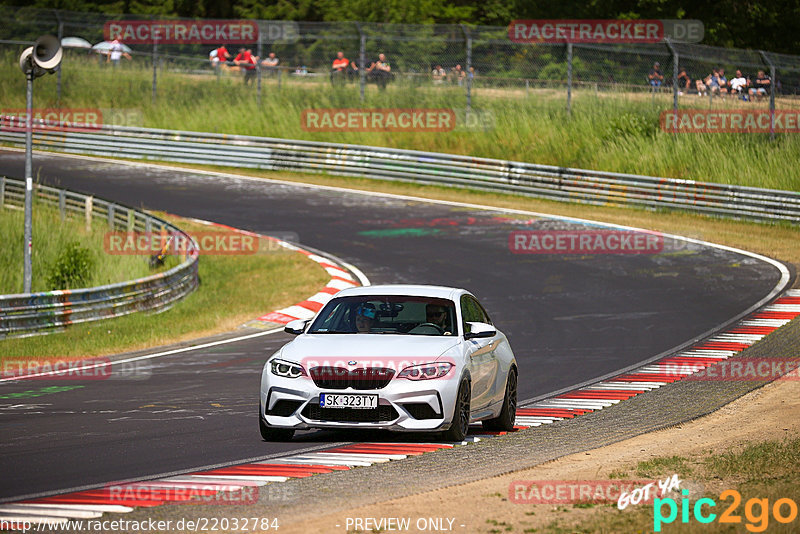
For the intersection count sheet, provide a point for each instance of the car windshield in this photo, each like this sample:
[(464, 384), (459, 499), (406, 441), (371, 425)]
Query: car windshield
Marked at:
[(387, 314)]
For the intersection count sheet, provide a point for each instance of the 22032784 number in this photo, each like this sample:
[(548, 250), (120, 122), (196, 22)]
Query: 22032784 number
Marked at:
[(228, 524), (757, 511)]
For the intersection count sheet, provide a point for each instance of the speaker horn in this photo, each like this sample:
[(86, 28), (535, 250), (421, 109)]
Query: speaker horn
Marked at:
[(43, 57)]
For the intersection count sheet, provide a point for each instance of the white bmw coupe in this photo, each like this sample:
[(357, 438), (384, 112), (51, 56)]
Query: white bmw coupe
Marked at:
[(395, 357)]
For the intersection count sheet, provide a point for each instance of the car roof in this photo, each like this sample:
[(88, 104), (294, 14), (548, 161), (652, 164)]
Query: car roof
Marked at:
[(404, 289)]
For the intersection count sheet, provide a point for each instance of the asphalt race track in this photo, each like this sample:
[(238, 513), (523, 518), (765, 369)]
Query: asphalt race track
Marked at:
[(569, 318)]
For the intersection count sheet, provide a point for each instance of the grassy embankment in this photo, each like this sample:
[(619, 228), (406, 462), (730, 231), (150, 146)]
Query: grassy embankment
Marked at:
[(233, 290), (609, 131)]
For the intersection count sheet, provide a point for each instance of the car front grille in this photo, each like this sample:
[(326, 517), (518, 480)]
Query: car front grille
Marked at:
[(383, 412), (362, 378)]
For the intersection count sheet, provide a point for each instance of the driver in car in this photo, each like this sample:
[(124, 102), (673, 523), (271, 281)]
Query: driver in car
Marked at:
[(365, 318), (437, 314)]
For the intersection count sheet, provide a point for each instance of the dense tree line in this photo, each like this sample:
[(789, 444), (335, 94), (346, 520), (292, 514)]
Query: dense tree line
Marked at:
[(761, 24)]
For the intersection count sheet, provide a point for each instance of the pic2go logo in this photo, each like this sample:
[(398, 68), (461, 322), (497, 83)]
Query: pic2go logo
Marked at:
[(756, 511)]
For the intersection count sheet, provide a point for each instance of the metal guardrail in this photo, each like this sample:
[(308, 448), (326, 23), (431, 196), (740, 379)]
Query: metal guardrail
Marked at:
[(36, 313), (544, 181)]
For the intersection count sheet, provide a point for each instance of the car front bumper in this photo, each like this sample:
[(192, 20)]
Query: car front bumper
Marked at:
[(303, 395)]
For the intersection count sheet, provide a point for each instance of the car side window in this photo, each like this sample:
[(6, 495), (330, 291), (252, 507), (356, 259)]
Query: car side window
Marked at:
[(470, 312), (486, 319)]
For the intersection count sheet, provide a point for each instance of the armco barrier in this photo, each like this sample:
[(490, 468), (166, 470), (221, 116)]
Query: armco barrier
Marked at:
[(35, 313), (558, 183)]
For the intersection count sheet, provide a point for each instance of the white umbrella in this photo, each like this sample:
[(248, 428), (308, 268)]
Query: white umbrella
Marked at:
[(105, 47), (75, 42)]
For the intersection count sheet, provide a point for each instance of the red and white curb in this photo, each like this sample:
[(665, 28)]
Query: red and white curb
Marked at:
[(340, 279), (199, 487)]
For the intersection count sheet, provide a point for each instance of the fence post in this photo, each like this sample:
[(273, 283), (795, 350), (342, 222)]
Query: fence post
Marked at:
[(675, 60), (155, 69), (258, 69), (362, 61), (773, 84), (468, 39), (88, 213), (111, 211), (569, 78), (2, 191), (60, 36)]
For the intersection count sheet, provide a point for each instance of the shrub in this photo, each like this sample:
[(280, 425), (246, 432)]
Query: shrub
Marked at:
[(72, 269)]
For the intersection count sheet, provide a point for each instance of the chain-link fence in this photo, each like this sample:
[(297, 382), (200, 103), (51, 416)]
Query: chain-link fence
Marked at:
[(471, 59)]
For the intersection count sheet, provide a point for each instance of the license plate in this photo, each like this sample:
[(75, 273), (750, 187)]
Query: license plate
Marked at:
[(359, 402)]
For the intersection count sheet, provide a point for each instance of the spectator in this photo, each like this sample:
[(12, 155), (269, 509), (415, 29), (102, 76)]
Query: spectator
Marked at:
[(654, 76), (223, 56), (685, 81), (380, 71), (761, 86), (702, 88), (713, 83), (246, 62), (270, 64), (339, 68), (739, 85), (457, 75), (723, 83), (438, 74), (116, 52)]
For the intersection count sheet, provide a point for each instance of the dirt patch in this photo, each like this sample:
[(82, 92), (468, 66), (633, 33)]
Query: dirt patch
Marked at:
[(483, 506)]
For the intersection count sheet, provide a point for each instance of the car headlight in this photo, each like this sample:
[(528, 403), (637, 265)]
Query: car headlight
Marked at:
[(286, 369), (426, 371)]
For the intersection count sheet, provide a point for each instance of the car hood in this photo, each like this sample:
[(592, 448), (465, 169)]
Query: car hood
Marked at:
[(371, 347)]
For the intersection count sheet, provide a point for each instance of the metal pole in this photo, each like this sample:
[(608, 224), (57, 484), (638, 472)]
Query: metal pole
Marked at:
[(28, 244), (258, 69), (675, 60), (772, 75), (60, 36), (362, 61), (569, 78), (155, 70), (468, 38)]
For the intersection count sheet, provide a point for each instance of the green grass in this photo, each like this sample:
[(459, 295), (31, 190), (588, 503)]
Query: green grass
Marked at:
[(607, 131), (233, 290), (51, 237), (666, 465)]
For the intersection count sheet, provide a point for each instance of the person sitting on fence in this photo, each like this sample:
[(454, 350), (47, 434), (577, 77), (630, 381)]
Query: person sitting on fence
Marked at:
[(223, 57), (761, 85), (739, 85), (654, 76), (723, 83), (457, 75), (380, 71), (246, 62), (270, 64), (684, 81), (339, 68), (438, 74)]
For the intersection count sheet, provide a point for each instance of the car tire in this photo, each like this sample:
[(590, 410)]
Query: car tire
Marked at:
[(460, 426), (270, 433), (508, 414)]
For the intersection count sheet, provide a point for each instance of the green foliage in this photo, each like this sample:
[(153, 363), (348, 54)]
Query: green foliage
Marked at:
[(627, 124), (73, 267)]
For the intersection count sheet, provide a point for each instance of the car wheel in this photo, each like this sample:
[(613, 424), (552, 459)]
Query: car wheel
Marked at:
[(508, 414), (460, 425), (270, 433)]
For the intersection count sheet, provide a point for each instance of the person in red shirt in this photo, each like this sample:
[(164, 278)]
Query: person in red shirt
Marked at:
[(246, 61), (339, 68)]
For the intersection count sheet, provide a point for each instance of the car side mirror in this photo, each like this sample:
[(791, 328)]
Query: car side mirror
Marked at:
[(295, 327), (480, 330)]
